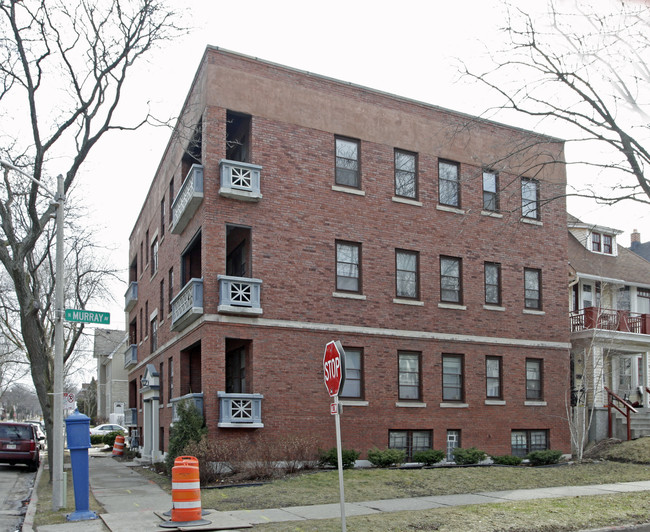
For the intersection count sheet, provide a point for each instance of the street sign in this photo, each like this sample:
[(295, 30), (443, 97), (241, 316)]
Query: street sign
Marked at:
[(87, 316), (69, 397), (334, 368)]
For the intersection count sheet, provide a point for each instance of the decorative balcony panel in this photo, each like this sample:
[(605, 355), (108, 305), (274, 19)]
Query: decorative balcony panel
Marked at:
[(130, 417), (187, 306), (131, 296), (610, 320), (188, 199), (131, 356), (240, 180), (240, 410), (196, 398), (239, 295)]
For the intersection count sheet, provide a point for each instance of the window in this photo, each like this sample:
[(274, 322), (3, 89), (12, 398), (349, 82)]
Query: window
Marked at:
[(409, 376), (406, 274), (452, 377), (170, 287), (353, 385), (492, 283), (453, 441), (141, 325), (529, 198), (532, 288), (171, 200), (523, 442), (410, 441), (162, 300), (170, 378), (534, 379), (161, 389), (493, 377), (347, 163), (146, 318), (490, 191), (162, 218), (448, 184), (141, 255), (450, 280), (154, 256), (146, 247), (607, 244), (348, 266), (154, 334), (406, 184), (595, 242)]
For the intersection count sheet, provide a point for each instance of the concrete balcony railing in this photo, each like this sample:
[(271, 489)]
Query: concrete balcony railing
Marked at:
[(130, 417), (240, 410), (188, 199), (610, 320), (196, 398), (239, 295), (131, 356), (131, 296), (187, 306), (240, 180)]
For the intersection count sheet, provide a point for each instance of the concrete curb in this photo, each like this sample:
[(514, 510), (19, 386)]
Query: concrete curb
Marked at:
[(28, 522)]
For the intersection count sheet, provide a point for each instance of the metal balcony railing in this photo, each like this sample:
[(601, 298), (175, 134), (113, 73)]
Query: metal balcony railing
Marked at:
[(240, 180), (188, 199), (610, 320), (131, 356), (239, 295), (240, 410), (131, 296), (187, 306)]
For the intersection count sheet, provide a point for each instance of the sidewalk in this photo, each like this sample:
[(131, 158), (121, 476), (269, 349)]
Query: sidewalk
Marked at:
[(132, 502)]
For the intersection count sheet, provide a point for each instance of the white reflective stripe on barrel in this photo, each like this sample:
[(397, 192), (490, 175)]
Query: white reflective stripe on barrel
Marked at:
[(186, 485), (186, 505)]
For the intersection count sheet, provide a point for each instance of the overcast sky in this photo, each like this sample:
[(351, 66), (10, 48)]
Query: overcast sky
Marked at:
[(409, 48)]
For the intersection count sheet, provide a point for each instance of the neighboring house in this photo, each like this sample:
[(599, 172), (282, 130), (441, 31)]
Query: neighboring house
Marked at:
[(640, 248), (112, 381), (291, 209), (610, 326)]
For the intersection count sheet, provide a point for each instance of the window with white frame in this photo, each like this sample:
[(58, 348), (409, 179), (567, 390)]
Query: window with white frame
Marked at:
[(453, 442), (452, 378), (409, 375), (493, 377), (353, 385), (348, 266)]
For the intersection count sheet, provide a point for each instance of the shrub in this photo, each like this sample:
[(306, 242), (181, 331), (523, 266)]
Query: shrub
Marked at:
[(189, 427), (539, 458), (109, 439), (348, 456), (298, 452), (468, 456), (428, 457), (387, 457), (96, 439), (507, 459)]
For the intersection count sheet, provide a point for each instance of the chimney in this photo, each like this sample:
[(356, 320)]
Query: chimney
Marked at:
[(635, 239)]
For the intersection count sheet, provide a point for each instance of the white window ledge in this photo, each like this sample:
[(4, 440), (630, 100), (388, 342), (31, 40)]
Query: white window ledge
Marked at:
[(531, 221), (353, 191), (452, 306), (494, 307), (534, 403), (447, 208), (415, 404), (343, 295), (454, 405), (407, 201), (494, 402), (413, 302), (534, 312), (492, 214), (353, 402)]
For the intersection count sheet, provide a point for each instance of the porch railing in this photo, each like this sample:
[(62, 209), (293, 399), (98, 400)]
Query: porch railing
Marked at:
[(612, 399), (239, 295), (240, 410), (610, 320), (240, 180)]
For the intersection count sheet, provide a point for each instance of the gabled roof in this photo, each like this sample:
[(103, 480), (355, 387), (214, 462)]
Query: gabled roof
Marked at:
[(626, 266), (642, 249)]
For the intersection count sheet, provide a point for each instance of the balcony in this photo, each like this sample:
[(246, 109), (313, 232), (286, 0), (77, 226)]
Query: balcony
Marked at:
[(240, 180), (196, 398), (187, 306), (188, 199), (131, 356), (240, 410), (131, 296), (610, 320), (130, 417), (239, 295)]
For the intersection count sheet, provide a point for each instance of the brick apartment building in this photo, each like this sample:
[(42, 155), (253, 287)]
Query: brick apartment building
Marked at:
[(289, 210)]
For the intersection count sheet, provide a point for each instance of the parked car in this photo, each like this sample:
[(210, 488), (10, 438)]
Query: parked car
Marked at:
[(40, 434), (106, 428), (19, 444)]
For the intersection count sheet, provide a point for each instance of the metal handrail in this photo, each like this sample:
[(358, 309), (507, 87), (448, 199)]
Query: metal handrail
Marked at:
[(611, 397)]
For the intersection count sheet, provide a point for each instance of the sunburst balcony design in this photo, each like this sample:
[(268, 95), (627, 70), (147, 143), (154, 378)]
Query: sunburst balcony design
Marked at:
[(239, 180), (240, 410), (239, 295), (188, 199)]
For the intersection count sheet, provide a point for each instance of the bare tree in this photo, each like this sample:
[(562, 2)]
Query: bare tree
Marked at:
[(587, 70), (63, 70)]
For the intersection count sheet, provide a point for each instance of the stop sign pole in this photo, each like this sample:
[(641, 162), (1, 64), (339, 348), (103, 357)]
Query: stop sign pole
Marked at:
[(334, 376)]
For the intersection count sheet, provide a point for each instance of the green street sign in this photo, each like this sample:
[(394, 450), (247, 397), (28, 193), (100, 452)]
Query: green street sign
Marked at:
[(87, 316)]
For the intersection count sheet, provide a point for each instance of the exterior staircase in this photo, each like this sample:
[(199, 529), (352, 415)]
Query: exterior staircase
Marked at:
[(639, 424)]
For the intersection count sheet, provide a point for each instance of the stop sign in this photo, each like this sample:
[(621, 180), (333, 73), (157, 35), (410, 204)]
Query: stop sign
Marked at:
[(334, 368)]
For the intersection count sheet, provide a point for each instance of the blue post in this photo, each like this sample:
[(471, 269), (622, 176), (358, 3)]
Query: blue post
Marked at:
[(78, 429)]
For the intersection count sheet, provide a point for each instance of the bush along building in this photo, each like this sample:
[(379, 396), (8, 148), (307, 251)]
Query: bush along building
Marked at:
[(610, 333), (291, 209)]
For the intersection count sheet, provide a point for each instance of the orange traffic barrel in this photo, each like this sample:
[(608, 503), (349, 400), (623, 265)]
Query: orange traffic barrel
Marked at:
[(118, 446), (185, 460), (186, 494)]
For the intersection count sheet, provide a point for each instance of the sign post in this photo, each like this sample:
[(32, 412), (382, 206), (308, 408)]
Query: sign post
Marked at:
[(334, 376)]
